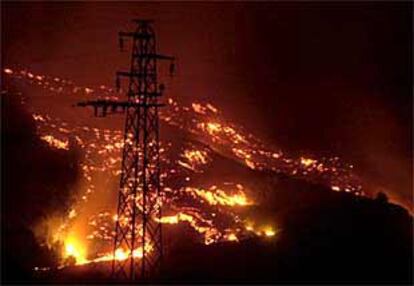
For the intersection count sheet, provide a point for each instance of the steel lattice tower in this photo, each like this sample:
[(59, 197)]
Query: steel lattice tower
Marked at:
[(138, 235)]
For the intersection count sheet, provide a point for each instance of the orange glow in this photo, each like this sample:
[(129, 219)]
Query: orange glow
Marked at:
[(216, 196), (56, 143), (73, 248), (307, 162), (269, 231), (8, 71), (196, 156), (102, 148), (213, 128), (120, 254), (38, 117), (176, 218), (335, 188), (231, 237)]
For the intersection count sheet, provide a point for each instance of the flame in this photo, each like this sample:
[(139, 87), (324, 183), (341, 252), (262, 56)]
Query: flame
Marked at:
[(102, 148), (120, 254), (213, 127), (335, 188), (231, 237), (8, 71), (269, 231), (216, 196), (194, 159), (56, 143), (266, 230), (196, 156), (176, 218), (73, 248), (307, 162)]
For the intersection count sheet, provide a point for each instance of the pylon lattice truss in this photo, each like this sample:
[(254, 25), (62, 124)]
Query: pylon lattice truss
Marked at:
[(138, 247)]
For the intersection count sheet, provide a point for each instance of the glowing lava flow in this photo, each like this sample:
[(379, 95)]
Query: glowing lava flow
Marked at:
[(199, 207)]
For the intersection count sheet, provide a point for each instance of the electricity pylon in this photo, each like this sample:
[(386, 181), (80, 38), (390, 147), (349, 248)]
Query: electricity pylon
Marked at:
[(138, 247)]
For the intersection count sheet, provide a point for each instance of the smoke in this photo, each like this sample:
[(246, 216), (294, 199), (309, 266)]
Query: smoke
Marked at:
[(337, 77), (325, 88), (36, 182)]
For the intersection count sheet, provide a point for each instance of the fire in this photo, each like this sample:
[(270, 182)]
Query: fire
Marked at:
[(138, 253), (38, 117), (8, 71), (269, 231), (216, 196), (56, 143), (266, 230), (198, 108), (211, 234), (231, 237), (307, 162), (249, 227), (194, 159), (208, 205), (211, 108), (213, 127), (203, 109), (176, 218), (196, 156), (120, 254), (335, 188), (73, 248)]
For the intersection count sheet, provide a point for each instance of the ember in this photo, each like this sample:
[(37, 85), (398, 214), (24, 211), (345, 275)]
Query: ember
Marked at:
[(102, 149)]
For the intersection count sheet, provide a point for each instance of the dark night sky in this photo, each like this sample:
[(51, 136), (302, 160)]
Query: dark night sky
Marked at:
[(322, 79)]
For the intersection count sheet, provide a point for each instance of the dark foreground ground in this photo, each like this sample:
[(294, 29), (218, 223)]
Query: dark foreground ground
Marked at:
[(338, 240), (325, 237)]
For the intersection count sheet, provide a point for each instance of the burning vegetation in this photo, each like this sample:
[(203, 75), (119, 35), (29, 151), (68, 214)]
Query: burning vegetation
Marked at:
[(235, 208), (214, 211)]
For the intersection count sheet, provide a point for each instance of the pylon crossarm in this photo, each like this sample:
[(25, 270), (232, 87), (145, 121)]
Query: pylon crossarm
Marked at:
[(136, 229), (106, 107)]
